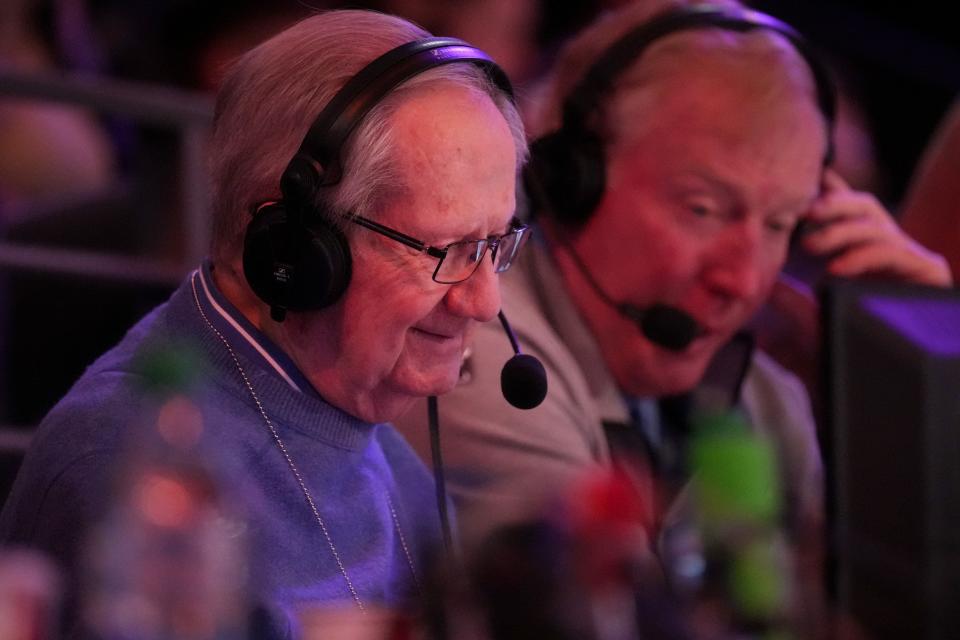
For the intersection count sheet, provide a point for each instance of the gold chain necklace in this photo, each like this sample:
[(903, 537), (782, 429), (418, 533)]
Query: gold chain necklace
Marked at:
[(296, 472)]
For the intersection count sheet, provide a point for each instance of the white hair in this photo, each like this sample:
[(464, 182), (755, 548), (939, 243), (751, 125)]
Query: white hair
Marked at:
[(765, 59), (272, 94)]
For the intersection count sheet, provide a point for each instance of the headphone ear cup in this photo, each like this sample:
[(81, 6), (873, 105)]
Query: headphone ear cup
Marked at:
[(326, 266), (566, 168), (292, 266)]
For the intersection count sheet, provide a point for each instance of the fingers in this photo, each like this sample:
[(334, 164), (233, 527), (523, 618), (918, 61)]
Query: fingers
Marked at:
[(844, 234), (844, 203), (858, 237), (832, 181), (912, 263)]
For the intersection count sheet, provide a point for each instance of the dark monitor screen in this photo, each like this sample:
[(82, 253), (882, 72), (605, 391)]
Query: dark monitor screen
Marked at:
[(892, 455)]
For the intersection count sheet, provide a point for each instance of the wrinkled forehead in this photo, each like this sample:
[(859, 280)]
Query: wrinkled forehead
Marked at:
[(743, 120), (756, 70)]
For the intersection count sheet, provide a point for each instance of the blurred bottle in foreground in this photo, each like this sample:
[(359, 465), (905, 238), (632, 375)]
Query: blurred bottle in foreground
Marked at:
[(29, 595), (169, 561), (585, 571), (628, 556), (748, 582)]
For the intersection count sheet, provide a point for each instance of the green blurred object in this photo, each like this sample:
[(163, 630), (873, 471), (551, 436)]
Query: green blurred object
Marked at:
[(739, 502), (171, 369), (757, 584), (735, 473)]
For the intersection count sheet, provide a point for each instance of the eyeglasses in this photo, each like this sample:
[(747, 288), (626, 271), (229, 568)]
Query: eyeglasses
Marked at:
[(458, 260)]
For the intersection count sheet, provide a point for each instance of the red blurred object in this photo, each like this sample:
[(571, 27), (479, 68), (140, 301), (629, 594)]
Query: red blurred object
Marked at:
[(612, 521)]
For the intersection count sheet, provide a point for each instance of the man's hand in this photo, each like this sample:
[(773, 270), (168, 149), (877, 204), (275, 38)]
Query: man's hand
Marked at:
[(858, 237)]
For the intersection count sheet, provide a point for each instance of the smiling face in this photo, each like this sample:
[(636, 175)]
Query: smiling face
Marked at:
[(699, 205), (396, 334)]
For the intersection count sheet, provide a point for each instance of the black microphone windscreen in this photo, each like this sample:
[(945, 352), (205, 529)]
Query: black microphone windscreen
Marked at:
[(523, 381), (669, 327)]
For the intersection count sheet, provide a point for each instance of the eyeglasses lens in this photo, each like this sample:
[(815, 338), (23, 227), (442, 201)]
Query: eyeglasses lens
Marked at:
[(462, 258)]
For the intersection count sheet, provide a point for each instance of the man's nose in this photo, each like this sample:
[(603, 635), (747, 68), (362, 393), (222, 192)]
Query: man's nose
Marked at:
[(477, 297), (735, 266)]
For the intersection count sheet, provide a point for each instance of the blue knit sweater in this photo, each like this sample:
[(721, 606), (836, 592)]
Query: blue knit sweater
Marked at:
[(349, 466)]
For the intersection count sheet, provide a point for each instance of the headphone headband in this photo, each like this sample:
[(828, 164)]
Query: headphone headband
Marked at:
[(294, 258), (599, 78), (324, 141), (566, 173)]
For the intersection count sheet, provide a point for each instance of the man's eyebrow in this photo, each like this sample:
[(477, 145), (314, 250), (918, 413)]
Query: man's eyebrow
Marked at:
[(682, 179), (507, 227), (796, 205)]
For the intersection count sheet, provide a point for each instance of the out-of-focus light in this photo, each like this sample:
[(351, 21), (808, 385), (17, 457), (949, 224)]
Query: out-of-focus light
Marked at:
[(180, 422), (165, 501)]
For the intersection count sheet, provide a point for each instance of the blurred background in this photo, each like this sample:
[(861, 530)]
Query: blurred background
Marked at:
[(104, 106)]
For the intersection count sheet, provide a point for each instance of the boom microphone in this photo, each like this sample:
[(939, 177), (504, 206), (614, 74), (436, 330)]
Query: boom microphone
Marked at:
[(523, 382), (523, 379), (669, 327)]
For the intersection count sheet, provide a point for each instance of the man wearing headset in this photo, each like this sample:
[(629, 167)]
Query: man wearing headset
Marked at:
[(343, 279), (668, 175)]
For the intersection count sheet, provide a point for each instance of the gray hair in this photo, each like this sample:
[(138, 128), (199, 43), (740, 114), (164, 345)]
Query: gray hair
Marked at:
[(773, 66), (272, 94)]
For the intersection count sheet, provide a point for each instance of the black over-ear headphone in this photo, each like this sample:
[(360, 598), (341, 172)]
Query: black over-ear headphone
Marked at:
[(294, 258), (566, 174)]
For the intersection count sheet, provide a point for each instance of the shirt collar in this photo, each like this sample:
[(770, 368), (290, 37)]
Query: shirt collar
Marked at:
[(565, 318), (242, 335)]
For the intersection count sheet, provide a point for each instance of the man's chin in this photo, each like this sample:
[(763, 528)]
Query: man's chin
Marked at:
[(665, 379), (436, 382)]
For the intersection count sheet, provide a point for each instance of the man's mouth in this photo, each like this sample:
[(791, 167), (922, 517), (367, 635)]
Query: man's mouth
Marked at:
[(436, 335)]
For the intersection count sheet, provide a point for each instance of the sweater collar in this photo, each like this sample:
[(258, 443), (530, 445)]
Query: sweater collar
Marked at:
[(232, 347), (242, 335)]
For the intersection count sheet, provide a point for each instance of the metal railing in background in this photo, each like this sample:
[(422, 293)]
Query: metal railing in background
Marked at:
[(187, 114), (14, 439)]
